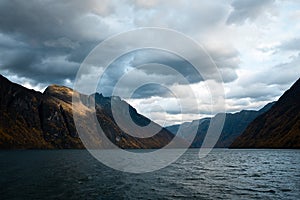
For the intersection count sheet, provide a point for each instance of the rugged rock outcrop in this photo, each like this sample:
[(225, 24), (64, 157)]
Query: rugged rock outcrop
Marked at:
[(277, 128), (31, 119)]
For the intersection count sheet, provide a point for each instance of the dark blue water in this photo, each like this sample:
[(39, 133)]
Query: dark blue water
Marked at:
[(223, 174)]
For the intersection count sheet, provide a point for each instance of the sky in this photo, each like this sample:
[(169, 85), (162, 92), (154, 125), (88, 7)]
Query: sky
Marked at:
[(254, 43)]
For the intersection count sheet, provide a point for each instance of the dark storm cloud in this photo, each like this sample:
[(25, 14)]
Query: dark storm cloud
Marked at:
[(247, 10), (48, 65), (47, 40), (46, 20), (227, 63), (80, 52), (182, 66), (165, 68), (150, 90)]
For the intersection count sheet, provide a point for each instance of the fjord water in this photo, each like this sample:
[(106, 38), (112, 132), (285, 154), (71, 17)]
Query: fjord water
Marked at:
[(223, 174)]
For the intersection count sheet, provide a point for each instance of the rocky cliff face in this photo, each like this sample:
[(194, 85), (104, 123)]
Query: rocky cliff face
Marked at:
[(277, 128), (31, 119), (234, 126)]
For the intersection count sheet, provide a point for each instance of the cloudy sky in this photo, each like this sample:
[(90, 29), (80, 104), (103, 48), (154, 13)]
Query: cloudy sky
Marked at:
[(255, 44)]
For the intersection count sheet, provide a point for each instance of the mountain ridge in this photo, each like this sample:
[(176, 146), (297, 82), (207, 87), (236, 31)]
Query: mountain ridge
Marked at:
[(277, 128), (234, 125), (34, 120)]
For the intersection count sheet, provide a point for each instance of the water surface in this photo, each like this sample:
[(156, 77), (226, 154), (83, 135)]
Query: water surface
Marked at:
[(223, 174)]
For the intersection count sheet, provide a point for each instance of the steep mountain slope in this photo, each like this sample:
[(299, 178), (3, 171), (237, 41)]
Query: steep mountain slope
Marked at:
[(234, 125), (277, 128), (31, 119)]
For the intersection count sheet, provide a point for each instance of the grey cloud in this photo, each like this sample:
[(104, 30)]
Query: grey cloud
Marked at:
[(255, 91), (173, 61), (151, 72), (37, 34), (182, 15), (45, 41), (7, 42), (290, 45), (150, 90), (228, 75), (264, 86), (62, 42), (42, 20), (291, 74), (80, 52), (41, 64), (247, 10)]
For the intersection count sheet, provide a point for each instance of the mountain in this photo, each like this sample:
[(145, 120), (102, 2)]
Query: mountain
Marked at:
[(34, 120), (234, 125), (277, 128), (189, 127)]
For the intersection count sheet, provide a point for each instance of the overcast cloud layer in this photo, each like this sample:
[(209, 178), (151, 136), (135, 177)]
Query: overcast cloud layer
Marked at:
[(255, 44)]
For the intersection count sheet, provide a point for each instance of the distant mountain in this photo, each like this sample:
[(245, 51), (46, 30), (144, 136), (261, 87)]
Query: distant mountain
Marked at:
[(277, 128), (234, 125), (190, 127), (31, 119)]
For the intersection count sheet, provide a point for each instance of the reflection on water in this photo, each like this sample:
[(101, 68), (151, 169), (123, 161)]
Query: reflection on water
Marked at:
[(224, 174)]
